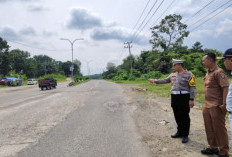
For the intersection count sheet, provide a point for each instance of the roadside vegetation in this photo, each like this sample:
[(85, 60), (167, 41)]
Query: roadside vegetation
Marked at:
[(19, 64), (78, 80), (58, 77), (163, 90), (167, 43)]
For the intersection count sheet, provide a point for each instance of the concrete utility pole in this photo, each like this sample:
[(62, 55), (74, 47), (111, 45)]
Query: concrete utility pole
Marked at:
[(129, 46), (87, 63), (71, 42)]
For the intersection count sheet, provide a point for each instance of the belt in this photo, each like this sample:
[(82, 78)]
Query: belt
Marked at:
[(179, 92)]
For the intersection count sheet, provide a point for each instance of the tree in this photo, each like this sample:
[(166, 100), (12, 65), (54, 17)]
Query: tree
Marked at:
[(30, 69), (18, 60), (45, 65), (197, 47), (126, 65), (169, 33), (110, 72), (77, 67), (4, 57)]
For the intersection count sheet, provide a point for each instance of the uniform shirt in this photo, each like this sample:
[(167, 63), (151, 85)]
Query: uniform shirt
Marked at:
[(229, 99), (215, 80), (183, 81)]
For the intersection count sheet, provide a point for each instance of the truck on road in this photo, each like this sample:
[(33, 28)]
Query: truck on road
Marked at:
[(48, 83)]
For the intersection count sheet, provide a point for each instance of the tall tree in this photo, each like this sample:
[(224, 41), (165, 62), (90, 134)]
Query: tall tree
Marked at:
[(110, 72), (45, 65), (18, 60), (197, 47), (66, 67), (4, 57), (169, 33)]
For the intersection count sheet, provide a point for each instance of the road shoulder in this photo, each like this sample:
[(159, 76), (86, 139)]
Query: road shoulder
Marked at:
[(155, 123)]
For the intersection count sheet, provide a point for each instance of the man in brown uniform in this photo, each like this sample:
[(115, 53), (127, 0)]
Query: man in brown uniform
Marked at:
[(214, 111)]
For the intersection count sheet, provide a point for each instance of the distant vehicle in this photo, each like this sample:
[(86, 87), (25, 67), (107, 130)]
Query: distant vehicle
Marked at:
[(31, 81), (11, 81), (48, 83), (3, 81)]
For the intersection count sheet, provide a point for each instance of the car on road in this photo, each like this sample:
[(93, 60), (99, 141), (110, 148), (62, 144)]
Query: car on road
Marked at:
[(48, 83), (3, 81), (11, 81), (31, 81)]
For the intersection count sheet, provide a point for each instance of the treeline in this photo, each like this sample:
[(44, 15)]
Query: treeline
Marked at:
[(167, 42), (154, 64), (21, 63)]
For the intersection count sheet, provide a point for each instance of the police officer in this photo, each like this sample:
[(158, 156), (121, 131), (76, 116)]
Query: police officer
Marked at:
[(182, 97)]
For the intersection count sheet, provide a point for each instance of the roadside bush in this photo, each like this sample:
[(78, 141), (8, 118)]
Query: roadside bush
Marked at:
[(58, 77), (154, 74), (131, 77), (78, 78), (121, 76), (135, 73)]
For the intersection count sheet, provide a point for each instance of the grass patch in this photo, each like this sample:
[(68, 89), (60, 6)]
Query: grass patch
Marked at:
[(77, 83), (164, 90)]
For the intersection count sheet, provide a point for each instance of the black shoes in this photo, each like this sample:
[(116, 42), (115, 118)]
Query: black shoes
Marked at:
[(223, 155), (176, 135), (185, 139), (208, 151)]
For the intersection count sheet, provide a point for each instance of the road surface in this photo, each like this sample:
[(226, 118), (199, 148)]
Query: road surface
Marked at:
[(87, 120)]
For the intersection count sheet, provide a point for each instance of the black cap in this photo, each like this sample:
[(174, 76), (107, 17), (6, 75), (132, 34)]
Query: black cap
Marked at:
[(227, 54)]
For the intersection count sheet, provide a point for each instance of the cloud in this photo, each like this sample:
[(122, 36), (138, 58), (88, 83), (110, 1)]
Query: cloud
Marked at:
[(200, 33), (49, 34), (9, 34), (83, 19), (36, 8), (116, 34), (224, 28), (2, 1), (27, 31)]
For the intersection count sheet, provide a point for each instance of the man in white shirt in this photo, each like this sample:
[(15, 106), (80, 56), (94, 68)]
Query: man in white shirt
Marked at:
[(227, 57)]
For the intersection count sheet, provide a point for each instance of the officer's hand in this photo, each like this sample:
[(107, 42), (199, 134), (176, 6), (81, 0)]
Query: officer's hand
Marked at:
[(223, 108), (151, 81), (191, 103)]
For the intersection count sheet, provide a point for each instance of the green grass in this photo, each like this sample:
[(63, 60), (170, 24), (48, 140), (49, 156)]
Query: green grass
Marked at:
[(164, 90)]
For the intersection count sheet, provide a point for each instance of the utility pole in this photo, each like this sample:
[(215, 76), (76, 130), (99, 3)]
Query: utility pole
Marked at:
[(129, 46), (71, 42), (87, 63)]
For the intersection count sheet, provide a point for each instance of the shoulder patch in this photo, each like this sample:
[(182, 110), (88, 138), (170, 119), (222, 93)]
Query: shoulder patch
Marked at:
[(222, 76), (192, 81)]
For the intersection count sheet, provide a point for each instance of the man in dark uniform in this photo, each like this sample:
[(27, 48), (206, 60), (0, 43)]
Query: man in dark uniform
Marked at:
[(214, 110), (182, 97)]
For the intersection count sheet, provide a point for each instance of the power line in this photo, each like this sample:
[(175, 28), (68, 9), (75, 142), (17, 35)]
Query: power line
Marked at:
[(32, 46), (211, 13), (145, 18), (164, 11), (162, 14), (141, 15), (212, 17), (199, 11), (149, 19)]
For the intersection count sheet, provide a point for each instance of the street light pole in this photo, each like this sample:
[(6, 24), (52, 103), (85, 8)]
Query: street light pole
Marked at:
[(72, 43)]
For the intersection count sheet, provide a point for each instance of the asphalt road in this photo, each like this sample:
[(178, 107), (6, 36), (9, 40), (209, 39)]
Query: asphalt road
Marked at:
[(88, 120)]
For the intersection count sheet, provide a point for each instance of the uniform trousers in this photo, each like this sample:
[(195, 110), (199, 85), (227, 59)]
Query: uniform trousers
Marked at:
[(230, 120), (181, 109), (216, 132)]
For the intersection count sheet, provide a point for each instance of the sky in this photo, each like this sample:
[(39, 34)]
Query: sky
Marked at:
[(102, 27)]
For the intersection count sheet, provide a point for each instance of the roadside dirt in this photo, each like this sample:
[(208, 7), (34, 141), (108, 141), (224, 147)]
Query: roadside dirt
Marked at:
[(155, 123)]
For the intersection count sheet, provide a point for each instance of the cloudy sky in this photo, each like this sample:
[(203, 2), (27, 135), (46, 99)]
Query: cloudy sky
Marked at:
[(37, 26)]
